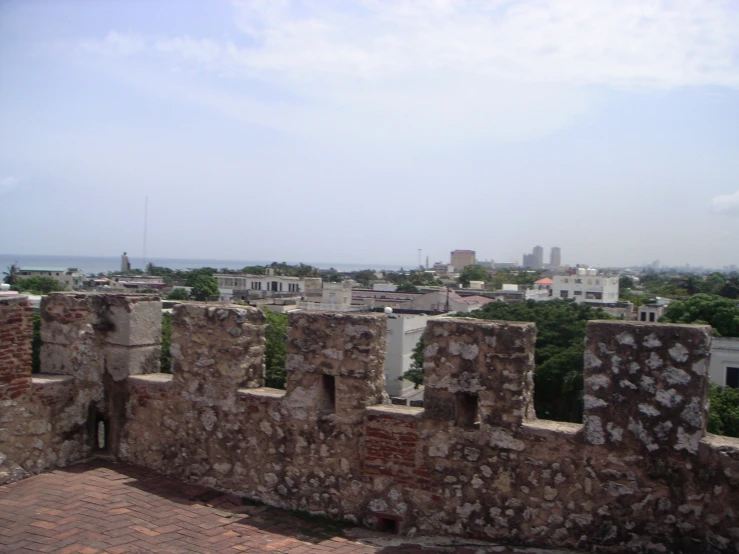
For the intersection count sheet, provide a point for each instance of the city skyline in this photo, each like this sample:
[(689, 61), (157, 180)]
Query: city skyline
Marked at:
[(363, 132)]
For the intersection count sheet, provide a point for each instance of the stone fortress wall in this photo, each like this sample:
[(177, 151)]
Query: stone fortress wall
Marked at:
[(639, 475)]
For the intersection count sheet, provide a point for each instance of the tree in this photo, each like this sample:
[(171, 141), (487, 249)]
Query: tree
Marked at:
[(330, 275), (406, 287), (625, 282), (415, 373), (472, 273), (275, 336), (559, 351), (423, 279), (691, 284), (37, 285), (11, 274), (178, 294), (730, 288), (364, 276), (192, 274), (723, 415), (205, 287), (720, 313), (713, 283)]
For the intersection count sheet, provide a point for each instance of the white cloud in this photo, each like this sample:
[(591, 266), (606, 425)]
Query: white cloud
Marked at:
[(612, 42), (8, 184), (726, 204), (406, 71)]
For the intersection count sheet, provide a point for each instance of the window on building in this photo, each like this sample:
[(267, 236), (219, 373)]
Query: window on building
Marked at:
[(578, 293), (594, 295), (578, 281), (732, 377), (563, 294), (565, 280), (597, 281), (651, 316), (643, 316)]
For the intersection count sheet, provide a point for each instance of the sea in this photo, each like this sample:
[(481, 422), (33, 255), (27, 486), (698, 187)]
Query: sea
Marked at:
[(92, 265)]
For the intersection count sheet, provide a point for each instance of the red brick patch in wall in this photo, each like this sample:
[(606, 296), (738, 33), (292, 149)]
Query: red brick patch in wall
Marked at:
[(391, 449)]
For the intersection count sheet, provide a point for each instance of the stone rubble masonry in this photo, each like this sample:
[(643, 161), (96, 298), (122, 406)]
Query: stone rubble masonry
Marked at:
[(488, 364), (647, 385), (216, 351), (334, 365), (641, 474), (91, 343)]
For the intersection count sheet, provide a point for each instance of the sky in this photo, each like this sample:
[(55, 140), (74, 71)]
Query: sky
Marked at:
[(362, 131)]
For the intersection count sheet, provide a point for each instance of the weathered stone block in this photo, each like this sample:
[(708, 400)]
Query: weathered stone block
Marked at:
[(332, 343), (122, 361), (477, 369), (335, 365), (82, 360), (646, 385), (68, 318), (135, 320), (217, 350)]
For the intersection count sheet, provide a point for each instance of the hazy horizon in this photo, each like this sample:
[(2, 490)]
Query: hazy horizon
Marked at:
[(366, 130)]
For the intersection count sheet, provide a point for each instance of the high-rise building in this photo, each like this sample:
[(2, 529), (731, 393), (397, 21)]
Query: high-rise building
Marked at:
[(555, 258), (529, 261), (538, 253), (462, 258)]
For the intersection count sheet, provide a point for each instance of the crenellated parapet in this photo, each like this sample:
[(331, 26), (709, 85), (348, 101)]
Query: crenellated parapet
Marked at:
[(91, 343), (88, 335), (216, 350), (479, 373), (639, 475), (646, 386), (334, 365)]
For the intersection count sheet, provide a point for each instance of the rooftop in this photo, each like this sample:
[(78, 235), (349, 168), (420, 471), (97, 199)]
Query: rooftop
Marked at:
[(103, 506), (30, 268)]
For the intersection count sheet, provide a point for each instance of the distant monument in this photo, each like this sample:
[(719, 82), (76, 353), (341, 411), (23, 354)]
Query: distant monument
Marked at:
[(125, 264)]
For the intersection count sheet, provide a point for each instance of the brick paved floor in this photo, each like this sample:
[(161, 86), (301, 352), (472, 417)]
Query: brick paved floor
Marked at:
[(110, 507)]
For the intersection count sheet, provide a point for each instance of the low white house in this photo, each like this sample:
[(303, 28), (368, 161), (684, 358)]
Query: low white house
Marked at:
[(586, 286), (70, 277), (724, 366)]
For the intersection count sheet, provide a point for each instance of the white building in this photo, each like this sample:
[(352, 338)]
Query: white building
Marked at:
[(403, 333), (70, 277), (724, 365), (586, 286), (651, 312), (241, 285)]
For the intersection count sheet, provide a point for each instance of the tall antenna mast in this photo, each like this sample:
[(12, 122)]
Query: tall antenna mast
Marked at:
[(146, 218)]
